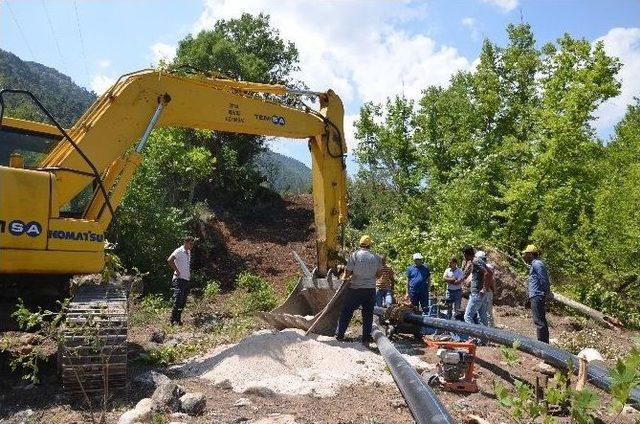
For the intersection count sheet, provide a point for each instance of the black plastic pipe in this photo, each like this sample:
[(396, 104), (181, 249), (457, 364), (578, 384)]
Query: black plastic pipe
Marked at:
[(559, 358), (422, 402)]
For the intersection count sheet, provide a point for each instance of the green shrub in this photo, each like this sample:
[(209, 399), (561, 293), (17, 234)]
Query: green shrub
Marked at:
[(161, 356), (149, 309), (261, 296), (211, 289)]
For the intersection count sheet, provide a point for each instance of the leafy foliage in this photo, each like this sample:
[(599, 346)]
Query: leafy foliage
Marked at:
[(261, 296), (507, 155)]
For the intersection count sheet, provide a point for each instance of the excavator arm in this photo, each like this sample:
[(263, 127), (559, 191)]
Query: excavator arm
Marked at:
[(103, 149)]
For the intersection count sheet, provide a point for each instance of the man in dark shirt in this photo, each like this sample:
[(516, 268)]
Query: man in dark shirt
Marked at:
[(476, 307), (538, 290)]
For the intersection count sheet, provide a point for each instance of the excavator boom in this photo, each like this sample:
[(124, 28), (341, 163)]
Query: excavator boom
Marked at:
[(96, 153), (42, 244)]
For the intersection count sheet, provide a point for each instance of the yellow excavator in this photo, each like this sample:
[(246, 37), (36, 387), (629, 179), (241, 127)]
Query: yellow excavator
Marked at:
[(60, 188)]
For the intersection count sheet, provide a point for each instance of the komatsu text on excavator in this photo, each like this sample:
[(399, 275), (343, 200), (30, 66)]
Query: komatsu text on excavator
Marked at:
[(59, 188)]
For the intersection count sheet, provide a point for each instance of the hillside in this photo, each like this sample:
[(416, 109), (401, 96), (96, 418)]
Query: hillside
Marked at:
[(284, 174), (58, 93)]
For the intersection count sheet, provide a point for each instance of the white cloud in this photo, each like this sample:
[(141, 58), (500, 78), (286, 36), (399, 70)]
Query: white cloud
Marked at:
[(504, 5), (623, 43), (104, 63), (101, 83), (162, 51), (370, 64), (468, 22)]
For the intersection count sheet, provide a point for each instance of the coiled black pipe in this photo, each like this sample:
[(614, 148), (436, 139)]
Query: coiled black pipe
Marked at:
[(422, 402), (597, 375)]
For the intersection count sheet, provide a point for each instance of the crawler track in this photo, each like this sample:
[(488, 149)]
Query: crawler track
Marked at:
[(93, 354)]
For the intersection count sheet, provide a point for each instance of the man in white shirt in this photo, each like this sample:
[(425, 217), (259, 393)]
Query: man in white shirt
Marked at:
[(180, 261), (453, 276)]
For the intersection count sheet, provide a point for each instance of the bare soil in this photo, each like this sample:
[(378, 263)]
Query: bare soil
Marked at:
[(264, 247)]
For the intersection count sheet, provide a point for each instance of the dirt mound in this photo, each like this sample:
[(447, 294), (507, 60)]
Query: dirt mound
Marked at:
[(262, 243), (289, 363)]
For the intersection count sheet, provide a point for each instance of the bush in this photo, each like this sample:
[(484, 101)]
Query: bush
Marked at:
[(211, 289), (149, 309), (261, 296)]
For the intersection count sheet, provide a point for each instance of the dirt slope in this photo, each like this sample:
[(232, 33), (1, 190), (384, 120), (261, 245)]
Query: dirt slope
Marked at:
[(262, 244)]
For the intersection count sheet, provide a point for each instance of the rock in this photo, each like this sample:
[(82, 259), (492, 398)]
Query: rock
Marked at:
[(146, 403), (167, 396), (209, 323), (629, 411), (276, 419), (149, 381), (157, 336), (138, 414), (172, 343), (193, 403), (590, 355), (242, 402), (224, 384), (398, 403), (260, 391), (21, 417)]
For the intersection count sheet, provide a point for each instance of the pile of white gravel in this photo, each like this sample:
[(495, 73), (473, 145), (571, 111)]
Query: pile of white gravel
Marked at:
[(288, 362)]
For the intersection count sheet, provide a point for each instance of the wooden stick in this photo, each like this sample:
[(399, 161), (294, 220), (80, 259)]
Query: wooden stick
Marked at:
[(582, 374)]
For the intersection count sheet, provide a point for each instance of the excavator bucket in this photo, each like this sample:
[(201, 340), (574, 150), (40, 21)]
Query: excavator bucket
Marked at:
[(313, 306)]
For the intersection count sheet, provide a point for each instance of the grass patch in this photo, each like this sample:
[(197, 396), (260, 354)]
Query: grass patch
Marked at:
[(148, 309), (261, 296)]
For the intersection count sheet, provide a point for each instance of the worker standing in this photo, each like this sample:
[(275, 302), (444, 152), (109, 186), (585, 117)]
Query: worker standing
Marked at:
[(538, 290), (363, 267), (476, 311), (418, 283), (489, 288), (385, 285), (453, 276), (180, 262)]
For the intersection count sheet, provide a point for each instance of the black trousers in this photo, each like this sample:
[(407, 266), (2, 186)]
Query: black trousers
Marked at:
[(353, 299), (539, 310), (180, 292)]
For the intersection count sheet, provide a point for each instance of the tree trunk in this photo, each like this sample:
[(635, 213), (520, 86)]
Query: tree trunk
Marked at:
[(603, 319)]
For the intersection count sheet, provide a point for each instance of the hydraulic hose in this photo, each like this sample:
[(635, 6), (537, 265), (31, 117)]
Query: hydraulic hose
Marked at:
[(422, 402), (559, 358)]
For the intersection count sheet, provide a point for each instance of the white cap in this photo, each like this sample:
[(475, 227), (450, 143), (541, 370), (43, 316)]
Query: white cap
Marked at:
[(481, 254), (417, 256)]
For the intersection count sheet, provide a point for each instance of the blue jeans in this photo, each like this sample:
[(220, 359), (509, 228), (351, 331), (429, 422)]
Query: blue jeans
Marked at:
[(419, 297), (384, 298), (353, 299), (476, 312), (454, 297)]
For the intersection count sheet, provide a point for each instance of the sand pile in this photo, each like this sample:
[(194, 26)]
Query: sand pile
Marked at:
[(288, 362)]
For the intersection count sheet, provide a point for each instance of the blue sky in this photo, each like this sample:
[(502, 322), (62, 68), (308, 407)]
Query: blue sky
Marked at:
[(364, 50)]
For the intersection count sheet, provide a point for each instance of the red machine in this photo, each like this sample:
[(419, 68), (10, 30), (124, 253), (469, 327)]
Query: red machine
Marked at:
[(455, 370)]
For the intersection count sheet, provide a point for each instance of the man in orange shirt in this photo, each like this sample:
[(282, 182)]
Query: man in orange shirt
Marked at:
[(385, 284)]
